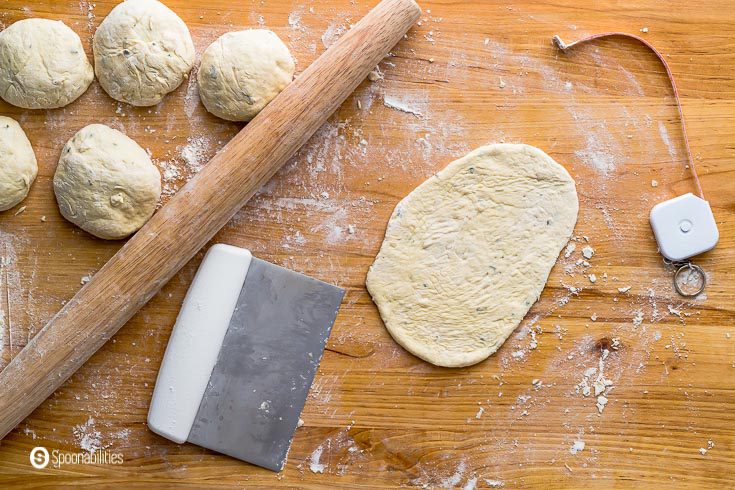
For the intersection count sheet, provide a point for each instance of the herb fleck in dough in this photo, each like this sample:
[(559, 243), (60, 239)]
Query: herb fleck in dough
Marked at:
[(469, 251), (42, 64), (18, 166), (241, 72), (142, 51), (105, 183)]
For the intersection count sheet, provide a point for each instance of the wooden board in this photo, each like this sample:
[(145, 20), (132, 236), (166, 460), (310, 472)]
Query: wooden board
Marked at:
[(472, 73)]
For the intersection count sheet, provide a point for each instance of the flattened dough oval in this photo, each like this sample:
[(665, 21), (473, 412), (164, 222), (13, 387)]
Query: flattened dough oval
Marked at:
[(468, 252)]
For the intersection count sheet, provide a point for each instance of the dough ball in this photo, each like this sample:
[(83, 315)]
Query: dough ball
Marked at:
[(142, 51), (105, 182), (18, 166), (42, 64), (468, 252), (242, 71)]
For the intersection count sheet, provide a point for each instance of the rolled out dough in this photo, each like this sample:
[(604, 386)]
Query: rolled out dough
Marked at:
[(469, 251)]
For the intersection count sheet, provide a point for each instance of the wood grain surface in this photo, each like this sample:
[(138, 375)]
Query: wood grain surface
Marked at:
[(472, 73)]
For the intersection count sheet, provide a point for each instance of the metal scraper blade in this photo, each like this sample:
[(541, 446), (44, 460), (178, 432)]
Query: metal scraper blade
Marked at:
[(267, 362)]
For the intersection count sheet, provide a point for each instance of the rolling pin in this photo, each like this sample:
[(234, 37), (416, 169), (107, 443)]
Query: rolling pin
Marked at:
[(194, 215)]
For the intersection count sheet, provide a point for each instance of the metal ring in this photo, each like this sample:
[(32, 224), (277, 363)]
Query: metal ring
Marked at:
[(698, 270)]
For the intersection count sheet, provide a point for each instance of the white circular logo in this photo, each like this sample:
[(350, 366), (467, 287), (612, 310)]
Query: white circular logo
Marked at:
[(39, 457)]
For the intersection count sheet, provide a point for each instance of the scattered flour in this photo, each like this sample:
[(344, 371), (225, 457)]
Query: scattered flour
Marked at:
[(191, 99), (453, 480), (30, 432), (194, 152), (87, 8), (88, 437), (333, 32), (294, 20), (600, 151), (667, 141), (470, 485)]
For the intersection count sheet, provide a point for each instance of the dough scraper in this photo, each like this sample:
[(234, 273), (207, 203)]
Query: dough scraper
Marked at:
[(242, 356)]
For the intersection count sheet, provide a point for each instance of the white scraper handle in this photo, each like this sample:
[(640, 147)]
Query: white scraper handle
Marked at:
[(196, 340)]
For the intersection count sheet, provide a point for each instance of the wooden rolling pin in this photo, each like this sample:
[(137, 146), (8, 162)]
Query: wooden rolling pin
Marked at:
[(195, 214)]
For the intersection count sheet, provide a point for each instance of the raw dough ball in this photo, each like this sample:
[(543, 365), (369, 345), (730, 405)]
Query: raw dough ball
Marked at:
[(142, 51), (242, 71), (42, 64), (18, 166), (468, 252), (105, 183)]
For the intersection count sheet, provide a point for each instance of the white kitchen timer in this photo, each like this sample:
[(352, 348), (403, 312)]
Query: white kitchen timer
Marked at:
[(684, 227)]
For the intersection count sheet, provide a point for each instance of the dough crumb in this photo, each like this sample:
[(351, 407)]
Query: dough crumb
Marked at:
[(314, 465), (638, 318), (400, 105), (588, 252), (674, 311), (593, 278), (375, 75), (654, 183), (577, 447), (624, 290), (710, 445), (594, 383), (644, 30)]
